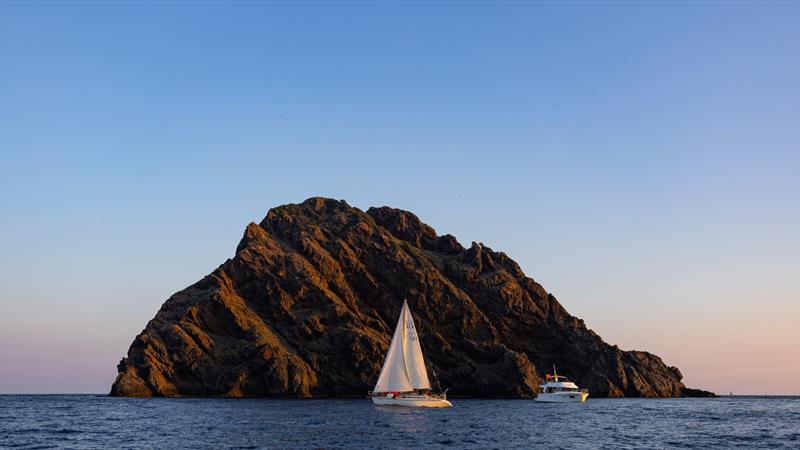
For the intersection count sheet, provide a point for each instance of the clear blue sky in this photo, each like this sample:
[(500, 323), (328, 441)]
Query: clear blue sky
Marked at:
[(638, 159)]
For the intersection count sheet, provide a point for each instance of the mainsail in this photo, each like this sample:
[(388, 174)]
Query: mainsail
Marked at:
[(404, 368)]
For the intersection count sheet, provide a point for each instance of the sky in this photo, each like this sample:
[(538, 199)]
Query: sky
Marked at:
[(641, 160)]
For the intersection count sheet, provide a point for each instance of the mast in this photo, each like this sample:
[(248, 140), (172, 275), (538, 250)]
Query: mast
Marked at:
[(406, 318)]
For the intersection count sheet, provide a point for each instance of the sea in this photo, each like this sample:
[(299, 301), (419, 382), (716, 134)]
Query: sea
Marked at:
[(97, 421)]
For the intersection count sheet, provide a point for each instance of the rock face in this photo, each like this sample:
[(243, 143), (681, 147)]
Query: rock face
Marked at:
[(307, 307)]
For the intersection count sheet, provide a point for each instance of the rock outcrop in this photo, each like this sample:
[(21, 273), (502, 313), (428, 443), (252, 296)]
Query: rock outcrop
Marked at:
[(307, 306)]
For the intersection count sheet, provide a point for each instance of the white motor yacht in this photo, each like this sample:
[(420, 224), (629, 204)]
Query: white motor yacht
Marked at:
[(558, 389)]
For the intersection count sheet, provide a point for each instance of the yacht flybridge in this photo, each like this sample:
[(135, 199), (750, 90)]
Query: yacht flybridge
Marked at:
[(558, 389), (404, 380)]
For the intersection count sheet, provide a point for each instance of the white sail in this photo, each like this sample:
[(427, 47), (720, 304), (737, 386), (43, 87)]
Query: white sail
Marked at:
[(394, 376), (415, 363), (404, 367)]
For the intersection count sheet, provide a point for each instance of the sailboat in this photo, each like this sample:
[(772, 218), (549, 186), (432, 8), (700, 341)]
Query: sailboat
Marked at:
[(404, 380)]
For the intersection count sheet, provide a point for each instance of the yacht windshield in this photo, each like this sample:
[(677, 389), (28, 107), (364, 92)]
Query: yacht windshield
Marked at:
[(550, 390)]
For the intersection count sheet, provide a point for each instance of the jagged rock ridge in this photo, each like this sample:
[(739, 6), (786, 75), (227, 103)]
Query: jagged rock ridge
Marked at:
[(307, 306)]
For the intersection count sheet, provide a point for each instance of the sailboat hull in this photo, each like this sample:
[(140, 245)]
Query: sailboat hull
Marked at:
[(416, 401)]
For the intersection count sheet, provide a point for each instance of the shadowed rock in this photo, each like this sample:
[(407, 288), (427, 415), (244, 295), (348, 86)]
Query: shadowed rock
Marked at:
[(307, 306)]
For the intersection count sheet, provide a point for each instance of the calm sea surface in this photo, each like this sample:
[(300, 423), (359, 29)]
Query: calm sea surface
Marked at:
[(86, 421)]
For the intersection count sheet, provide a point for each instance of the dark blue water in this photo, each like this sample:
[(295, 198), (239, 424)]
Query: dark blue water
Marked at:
[(84, 421)]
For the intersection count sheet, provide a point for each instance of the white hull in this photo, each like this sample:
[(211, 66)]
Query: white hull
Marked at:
[(563, 397), (416, 401)]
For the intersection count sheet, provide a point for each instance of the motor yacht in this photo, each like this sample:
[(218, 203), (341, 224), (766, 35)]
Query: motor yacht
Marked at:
[(558, 389)]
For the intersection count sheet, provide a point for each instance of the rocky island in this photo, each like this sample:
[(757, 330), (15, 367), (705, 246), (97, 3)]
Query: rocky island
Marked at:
[(307, 306)]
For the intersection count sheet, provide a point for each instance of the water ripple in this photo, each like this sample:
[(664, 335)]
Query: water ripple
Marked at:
[(85, 421)]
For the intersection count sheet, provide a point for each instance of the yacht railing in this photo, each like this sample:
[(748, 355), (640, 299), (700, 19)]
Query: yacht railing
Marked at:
[(440, 396)]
